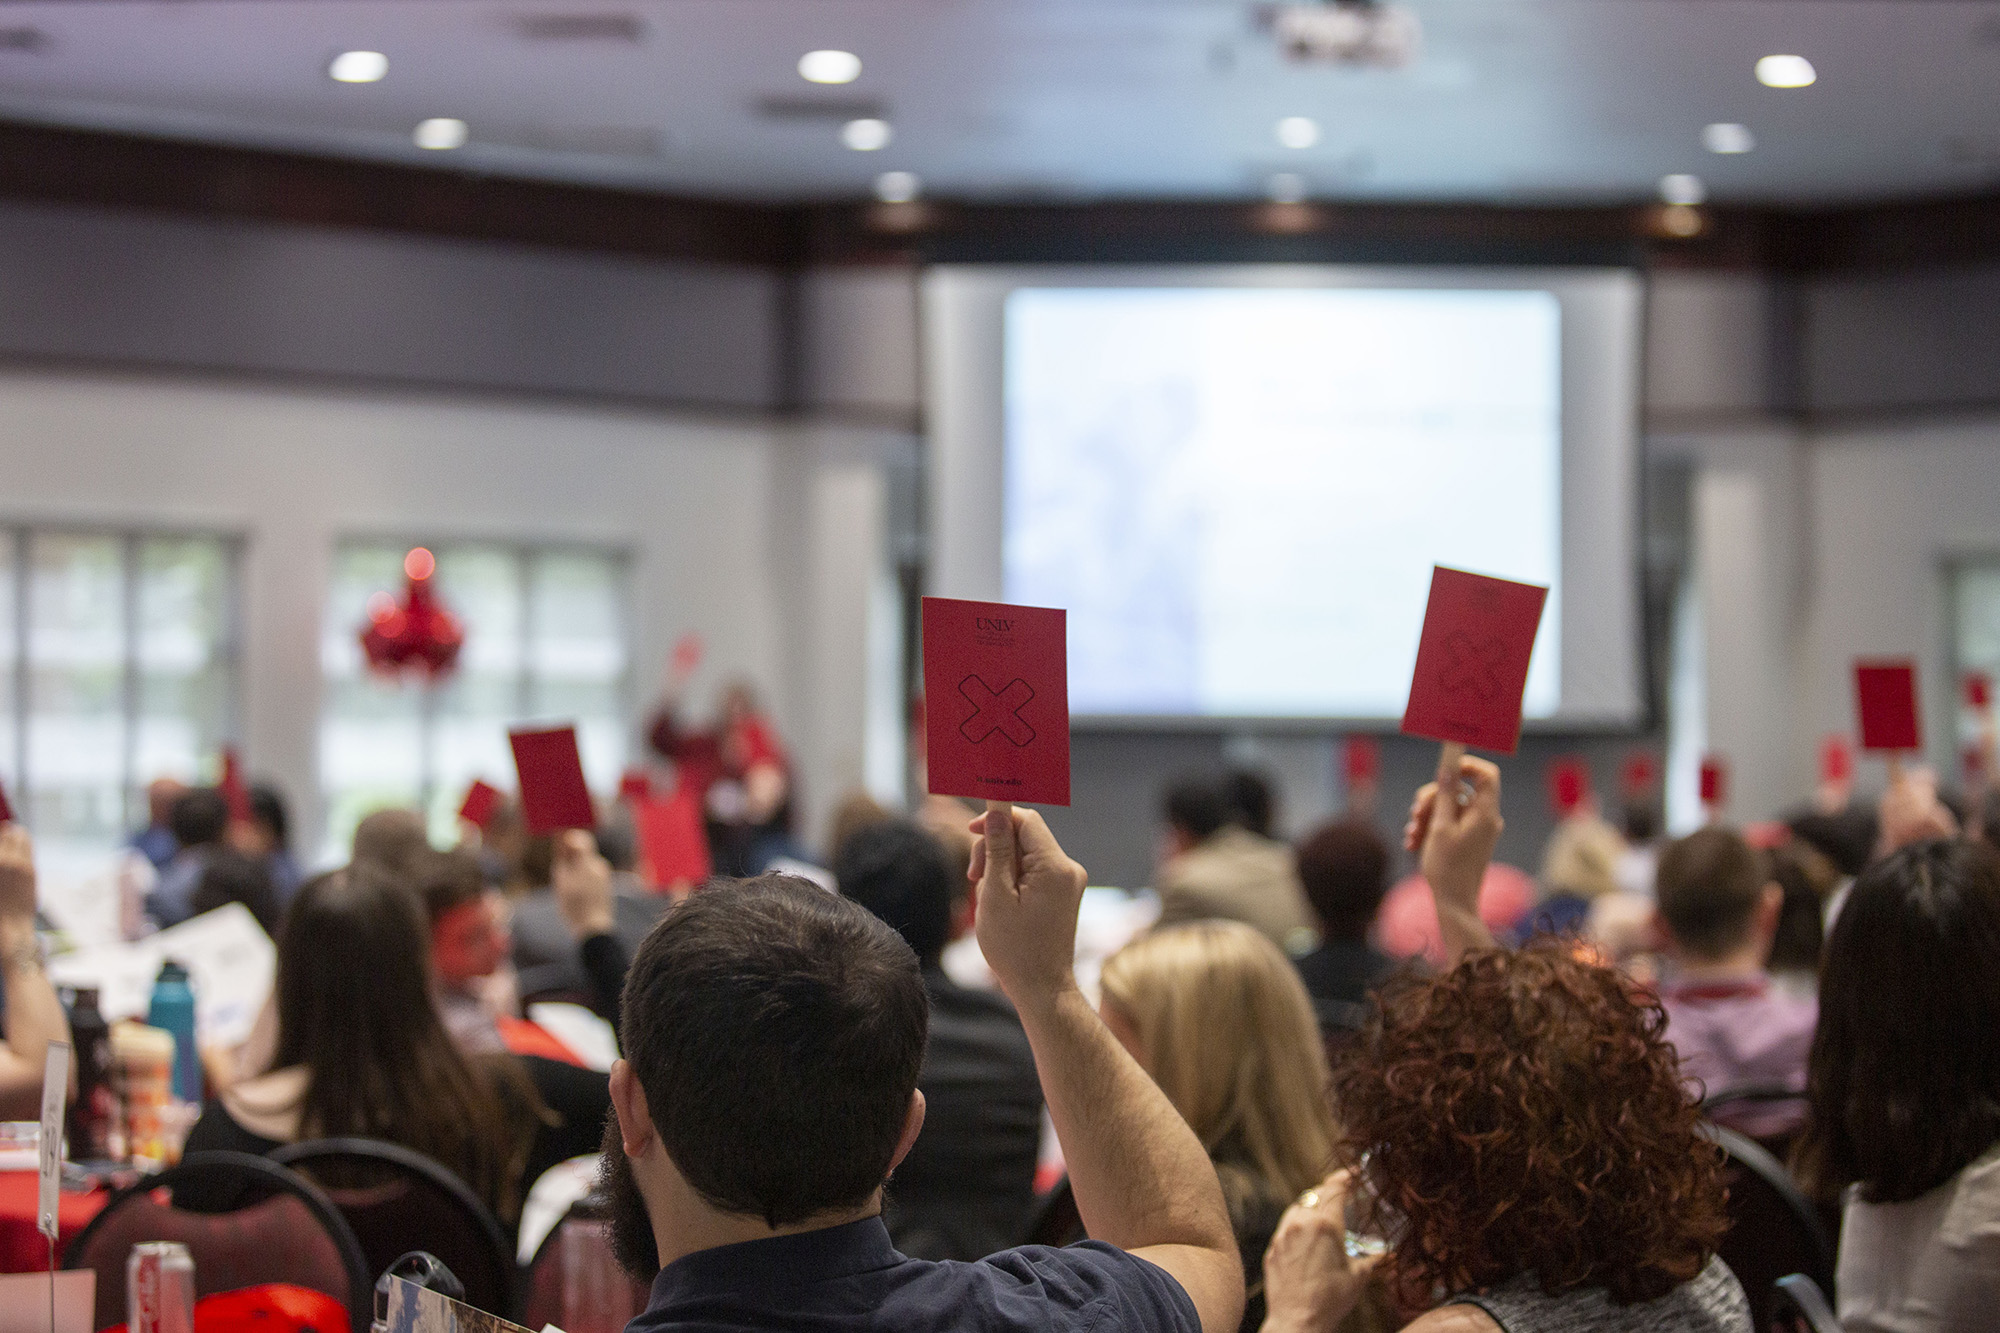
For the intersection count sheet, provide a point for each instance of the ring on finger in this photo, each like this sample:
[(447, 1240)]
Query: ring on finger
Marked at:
[(1310, 1199)]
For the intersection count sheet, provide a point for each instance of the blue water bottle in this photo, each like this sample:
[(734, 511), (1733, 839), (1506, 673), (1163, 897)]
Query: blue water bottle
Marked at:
[(173, 1010)]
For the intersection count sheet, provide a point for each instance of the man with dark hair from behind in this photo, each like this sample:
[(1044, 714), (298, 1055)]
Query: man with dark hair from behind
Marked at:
[(968, 1184), (199, 820), (1216, 869), (773, 1036), (1718, 914), (1344, 867)]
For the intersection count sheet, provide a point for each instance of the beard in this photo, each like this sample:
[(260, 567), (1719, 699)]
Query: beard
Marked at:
[(632, 1240)]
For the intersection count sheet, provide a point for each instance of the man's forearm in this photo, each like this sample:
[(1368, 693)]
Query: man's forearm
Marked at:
[(1140, 1175), (34, 1015)]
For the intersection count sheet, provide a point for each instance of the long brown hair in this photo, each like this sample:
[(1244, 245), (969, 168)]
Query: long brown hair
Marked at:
[(1228, 1033), (355, 1011)]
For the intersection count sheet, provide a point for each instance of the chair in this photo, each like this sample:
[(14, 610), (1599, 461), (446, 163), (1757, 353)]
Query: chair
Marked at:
[(574, 1283), (1055, 1220), (1774, 1230), (397, 1200), (1798, 1306), (1739, 1109), (258, 1222)]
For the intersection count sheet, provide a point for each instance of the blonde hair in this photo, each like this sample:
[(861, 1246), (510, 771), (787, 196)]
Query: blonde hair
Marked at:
[(1582, 858), (1226, 1029)]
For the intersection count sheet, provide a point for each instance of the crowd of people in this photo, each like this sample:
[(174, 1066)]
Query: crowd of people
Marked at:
[(1307, 1097)]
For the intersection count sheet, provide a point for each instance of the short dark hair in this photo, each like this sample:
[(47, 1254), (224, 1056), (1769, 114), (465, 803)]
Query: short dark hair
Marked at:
[(903, 875), (1251, 800), (777, 1030), (231, 877), (1344, 867), (267, 807), (200, 816), (1847, 838), (1196, 807), (1902, 1083), (444, 880), (1708, 884), (1807, 878)]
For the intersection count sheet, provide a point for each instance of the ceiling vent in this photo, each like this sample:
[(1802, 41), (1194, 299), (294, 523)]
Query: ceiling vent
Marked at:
[(627, 28), (25, 40), (836, 110)]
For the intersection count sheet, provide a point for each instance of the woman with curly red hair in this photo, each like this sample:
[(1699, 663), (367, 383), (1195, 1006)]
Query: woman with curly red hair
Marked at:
[(1519, 1129)]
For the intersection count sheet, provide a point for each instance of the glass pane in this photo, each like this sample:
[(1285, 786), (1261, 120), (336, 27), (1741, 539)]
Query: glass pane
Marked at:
[(1976, 616), (577, 657), (76, 689), (482, 586), (368, 747), (186, 658)]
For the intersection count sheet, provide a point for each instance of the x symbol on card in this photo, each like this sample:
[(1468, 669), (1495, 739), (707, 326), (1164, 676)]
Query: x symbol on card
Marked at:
[(996, 710), (1472, 668)]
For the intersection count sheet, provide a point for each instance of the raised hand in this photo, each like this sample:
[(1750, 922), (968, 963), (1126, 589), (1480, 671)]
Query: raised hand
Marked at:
[(1028, 892)]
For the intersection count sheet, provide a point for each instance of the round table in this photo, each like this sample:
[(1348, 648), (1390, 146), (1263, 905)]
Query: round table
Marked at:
[(23, 1248)]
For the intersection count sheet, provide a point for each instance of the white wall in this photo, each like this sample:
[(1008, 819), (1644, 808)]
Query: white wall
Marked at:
[(706, 507)]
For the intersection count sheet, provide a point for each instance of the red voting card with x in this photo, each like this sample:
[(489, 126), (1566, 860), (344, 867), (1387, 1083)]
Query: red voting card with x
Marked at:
[(553, 793), (1886, 693), (1472, 662), (996, 701)]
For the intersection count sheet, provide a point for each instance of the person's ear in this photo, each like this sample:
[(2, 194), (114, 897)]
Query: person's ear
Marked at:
[(913, 1125), (1663, 934), (628, 1101)]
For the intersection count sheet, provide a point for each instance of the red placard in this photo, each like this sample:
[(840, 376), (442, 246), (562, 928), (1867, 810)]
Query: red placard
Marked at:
[(672, 840), (1361, 760), (1836, 760), (996, 682), (6, 810), (1472, 662), (1885, 694), (1714, 781), (234, 794), (481, 803), (553, 793), (1978, 689), (1569, 784), (1637, 774), (634, 786)]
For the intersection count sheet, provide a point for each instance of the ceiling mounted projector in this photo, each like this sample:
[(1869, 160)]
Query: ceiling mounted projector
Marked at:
[(1345, 32)]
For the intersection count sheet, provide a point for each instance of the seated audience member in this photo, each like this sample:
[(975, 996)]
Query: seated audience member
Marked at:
[(774, 1037), (551, 955), (1518, 1130), (1808, 880), (199, 821), (394, 839), (1216, 1014), (1639, 825), (1344, 867), (266, 836), (156, 842), (967, 1187), (360, 1052), (469, 946), (1579, 867), (1719, 910), (34, 1017), (231, 877), (1406, 925), (856, 811), (1253, 805), (1219, 870), (1905, 1092)]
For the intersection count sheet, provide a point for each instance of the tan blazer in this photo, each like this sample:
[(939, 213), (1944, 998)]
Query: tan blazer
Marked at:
[(1237, 876)]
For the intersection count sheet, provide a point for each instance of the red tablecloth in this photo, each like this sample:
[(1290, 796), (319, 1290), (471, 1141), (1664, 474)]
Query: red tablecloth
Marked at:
[(23, 1249)]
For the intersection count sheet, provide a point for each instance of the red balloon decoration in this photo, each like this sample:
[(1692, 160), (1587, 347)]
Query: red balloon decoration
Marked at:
[(417, 634)]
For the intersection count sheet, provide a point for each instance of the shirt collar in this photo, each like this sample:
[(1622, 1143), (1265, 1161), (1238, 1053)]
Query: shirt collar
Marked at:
[(777, 1261), (1749, 986)]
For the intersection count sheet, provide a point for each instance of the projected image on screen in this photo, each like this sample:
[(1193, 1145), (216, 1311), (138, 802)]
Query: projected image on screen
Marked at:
[(1238, 494)]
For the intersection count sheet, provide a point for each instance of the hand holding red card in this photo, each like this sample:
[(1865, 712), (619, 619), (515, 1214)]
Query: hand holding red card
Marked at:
[(1569, 784), (1637, 775), (234, 793), (1472, 662), (996, 690), (553, 793), (481, 803), (1978, 690), (1714, 782), (1886, 695), (1836, 760)]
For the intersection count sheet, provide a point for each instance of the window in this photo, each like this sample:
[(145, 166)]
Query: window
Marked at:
[(118, 664), (1975, 632), (545, 638)]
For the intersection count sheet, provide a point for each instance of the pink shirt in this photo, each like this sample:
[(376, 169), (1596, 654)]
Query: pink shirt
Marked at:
[(1742, 1032)]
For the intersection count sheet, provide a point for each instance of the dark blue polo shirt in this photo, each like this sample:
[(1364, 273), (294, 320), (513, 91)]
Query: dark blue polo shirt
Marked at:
[(850, 1278)]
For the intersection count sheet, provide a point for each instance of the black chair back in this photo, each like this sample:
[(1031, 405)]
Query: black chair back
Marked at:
[(245, 1221), (398, 1200), (574, 1282), (1055, 1220), (1798, 1306), (1774, 1230)]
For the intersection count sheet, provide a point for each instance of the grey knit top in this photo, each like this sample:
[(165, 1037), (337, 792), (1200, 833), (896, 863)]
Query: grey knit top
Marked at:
[(1712, 1303)]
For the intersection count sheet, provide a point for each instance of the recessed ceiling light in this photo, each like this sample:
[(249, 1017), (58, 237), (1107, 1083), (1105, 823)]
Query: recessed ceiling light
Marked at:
[(829, 67), (1286, 187), (440, 132), (1785, 72), (1298, 131), (1727, 137), (1681, 188), (898, 187), (866, 135), (358, 67)]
